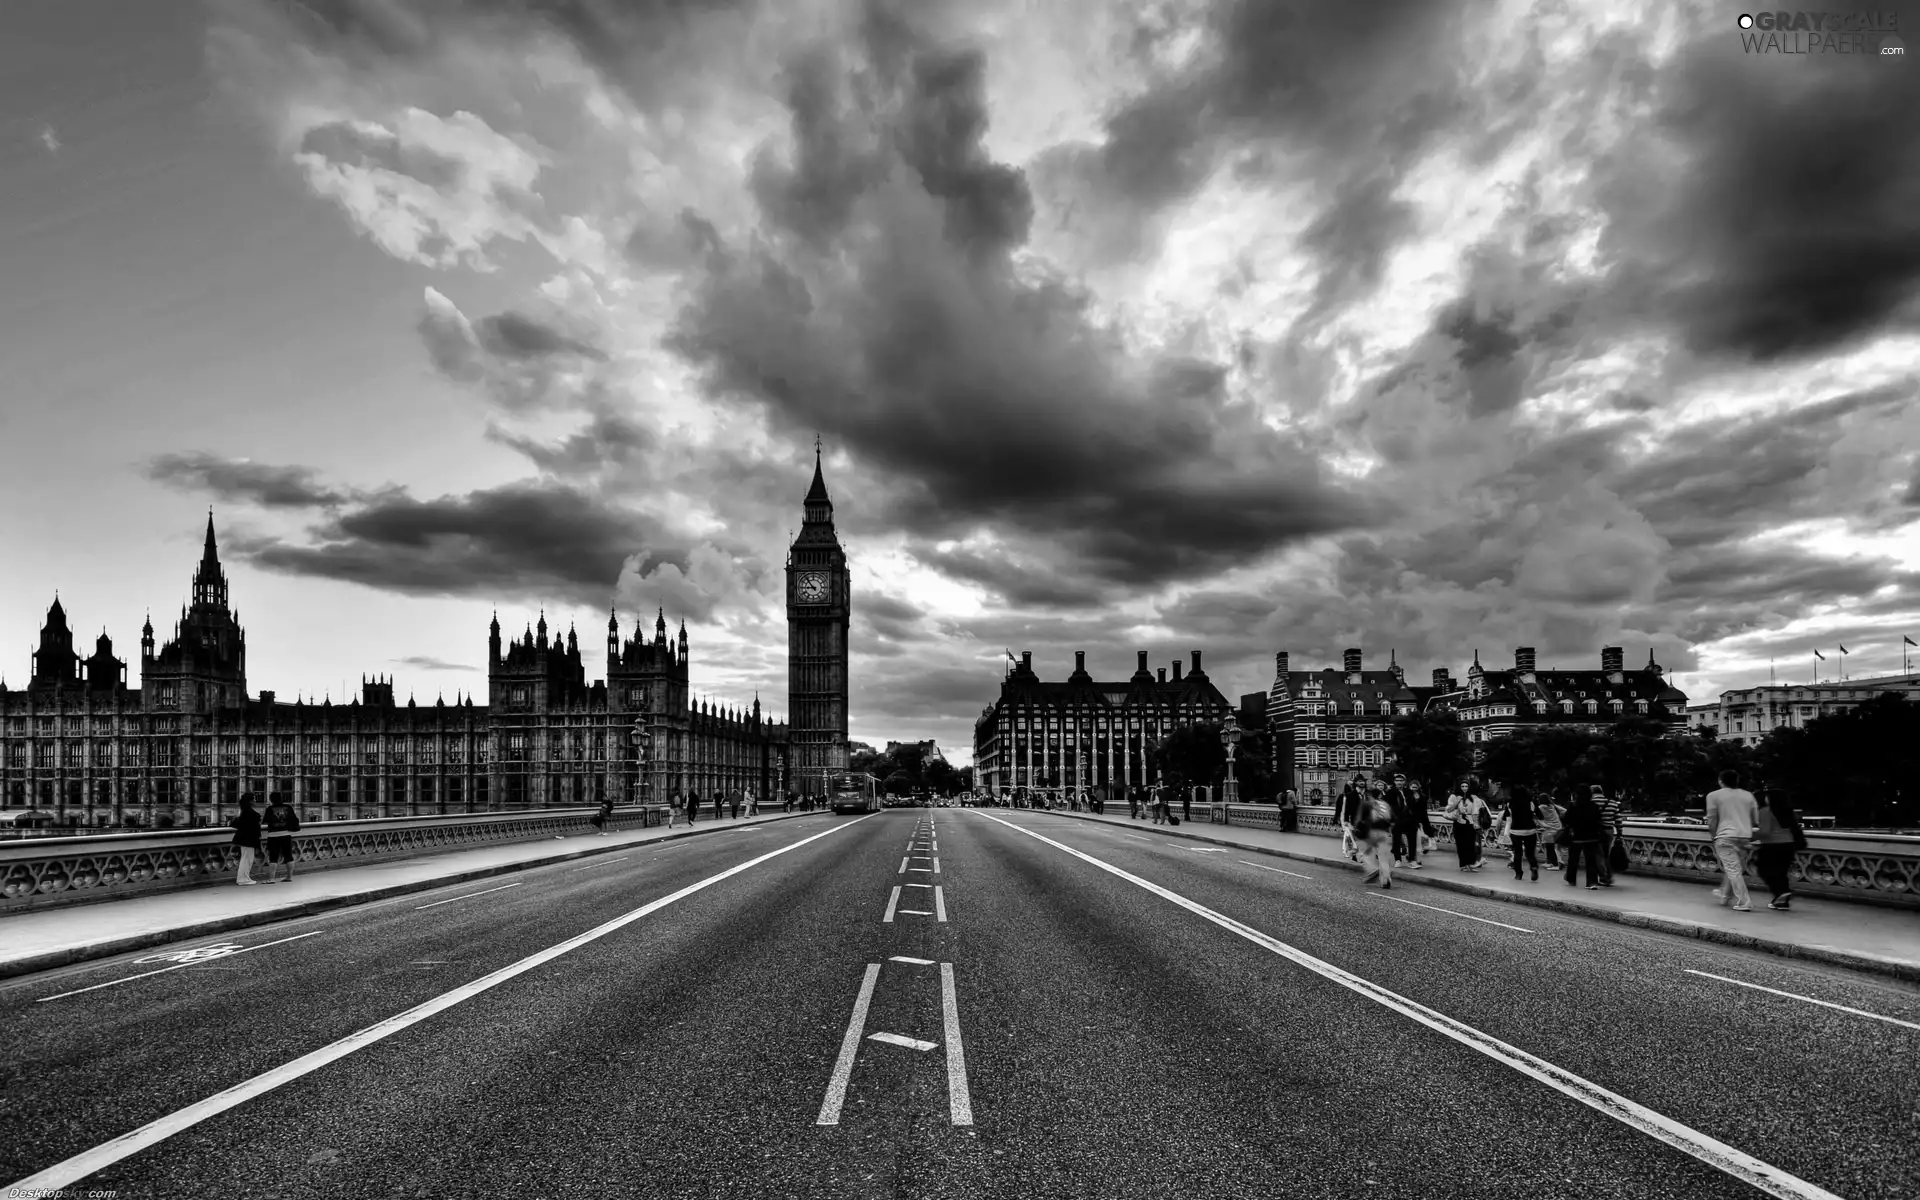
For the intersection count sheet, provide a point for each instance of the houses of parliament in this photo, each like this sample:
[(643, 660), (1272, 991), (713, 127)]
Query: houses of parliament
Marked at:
[(84, 747)]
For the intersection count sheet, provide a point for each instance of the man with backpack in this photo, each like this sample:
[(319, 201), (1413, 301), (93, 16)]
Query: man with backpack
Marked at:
[(1372, 832)]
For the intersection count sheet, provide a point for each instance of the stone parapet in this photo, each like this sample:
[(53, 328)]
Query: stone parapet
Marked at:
[(43, 872), (1867, 868)]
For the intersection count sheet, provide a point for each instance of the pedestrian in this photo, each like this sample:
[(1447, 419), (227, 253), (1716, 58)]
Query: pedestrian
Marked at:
[(753, 806), (246, 835), (1778, 837), (1522, 827), (1585, 826), (1133, 803), (1464, 812), (1157, 803), (1346, 816), (1289, 811), (1373, 830), (693, 806), (1548, 814), (281, 824), (1409, 816), (1611, 830), (676, 805), (719, 803), (1732, 815), (733, 803)]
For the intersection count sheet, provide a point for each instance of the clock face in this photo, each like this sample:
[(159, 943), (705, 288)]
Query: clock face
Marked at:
[(813, 586)]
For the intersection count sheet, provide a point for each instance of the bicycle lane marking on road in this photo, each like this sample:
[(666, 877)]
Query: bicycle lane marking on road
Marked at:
[(71, 1170), (1717, 1154), (189, 958)]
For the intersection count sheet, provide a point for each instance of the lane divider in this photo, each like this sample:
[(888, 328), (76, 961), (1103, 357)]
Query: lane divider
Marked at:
[(959, 1098), (70, 1171), (849, 1047), (1450, 912), (1858, 1012), (940, 902), (892, 901), (1276, 870), (470, 895), (1717, 1154)]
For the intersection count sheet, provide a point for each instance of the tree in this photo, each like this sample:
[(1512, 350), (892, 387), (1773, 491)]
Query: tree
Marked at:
[(899, 783), (1432, 748), (966, 778), (1189, 756), (1858, 766), (942, 779)]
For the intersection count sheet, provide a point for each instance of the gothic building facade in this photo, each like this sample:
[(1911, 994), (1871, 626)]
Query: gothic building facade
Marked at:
[(819, 612), (82, 746), (1085, 734)]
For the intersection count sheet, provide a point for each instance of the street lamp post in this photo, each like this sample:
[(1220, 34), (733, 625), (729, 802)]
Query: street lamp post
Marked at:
[(1230, 738), (642, 739)]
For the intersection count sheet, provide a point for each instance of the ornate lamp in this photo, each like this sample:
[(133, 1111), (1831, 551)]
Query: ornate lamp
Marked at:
[(1230, 738)]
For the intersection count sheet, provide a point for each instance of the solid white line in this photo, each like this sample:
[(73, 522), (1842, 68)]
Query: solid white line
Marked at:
[(1717, 1154), (849, 1046), (470, 895), (1265, 867), (899, 1039), (1450, 912), (959, 1100), (1858, 1012), (69, 1171), (163, 970), (918, 962), (603, 862), (891, 901), (940, 902)]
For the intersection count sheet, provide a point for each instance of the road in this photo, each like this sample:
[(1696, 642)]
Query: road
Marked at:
[(1072, 1010)]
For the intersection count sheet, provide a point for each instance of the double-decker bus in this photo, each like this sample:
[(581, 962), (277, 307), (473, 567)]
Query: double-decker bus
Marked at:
[(854, 792)]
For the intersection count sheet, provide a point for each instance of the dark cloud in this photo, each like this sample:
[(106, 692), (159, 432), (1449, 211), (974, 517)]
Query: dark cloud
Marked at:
[(886, 309), (524, 364), (516, 335), (245, 482), (1787, 219)]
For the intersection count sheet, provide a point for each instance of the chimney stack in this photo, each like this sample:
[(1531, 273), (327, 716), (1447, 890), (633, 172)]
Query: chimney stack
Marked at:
[(1026, 661), (1443, 679), (1080, 662), (1280, 665), (1353, 661), (1613, 658), (1196, 663), (1176, 670), (1163, 674), (1142, 670), (1523, 659)]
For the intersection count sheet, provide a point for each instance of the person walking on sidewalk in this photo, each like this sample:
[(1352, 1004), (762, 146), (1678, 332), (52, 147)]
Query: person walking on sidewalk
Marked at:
[(693, 805), (1346, 815), (604, 817), (281, 824), (1583, 821), (733, 803), (246, 835), (1611, 830), (1548, 814), (1373, 830), (1777, 838), (1522, 827), (1409, 821), (1732, 814), (1464, 810)]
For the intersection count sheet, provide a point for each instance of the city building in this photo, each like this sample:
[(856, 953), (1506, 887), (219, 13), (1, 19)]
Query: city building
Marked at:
[(1747, 715), (1325, 727), (82, 745), (1495, 704), (1083, 734), (819, 611)]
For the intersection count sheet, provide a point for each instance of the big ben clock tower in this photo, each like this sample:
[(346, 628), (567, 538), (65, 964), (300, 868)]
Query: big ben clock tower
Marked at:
[(819, 607)]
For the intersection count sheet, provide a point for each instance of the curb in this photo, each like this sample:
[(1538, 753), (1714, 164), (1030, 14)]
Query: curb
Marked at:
[(1831, 955), (73, 955)]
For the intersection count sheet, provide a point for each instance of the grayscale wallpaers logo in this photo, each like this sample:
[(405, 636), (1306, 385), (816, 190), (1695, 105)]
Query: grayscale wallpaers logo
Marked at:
[(1863, 34)]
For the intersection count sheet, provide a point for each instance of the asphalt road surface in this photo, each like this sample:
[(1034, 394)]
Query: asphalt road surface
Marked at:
[(955, 1003)]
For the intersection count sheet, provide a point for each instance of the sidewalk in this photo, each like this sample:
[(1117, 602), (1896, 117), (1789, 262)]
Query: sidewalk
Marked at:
[(54, 937), (1865, 937)]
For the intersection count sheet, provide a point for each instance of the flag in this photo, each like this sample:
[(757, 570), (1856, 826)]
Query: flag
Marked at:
[(1909, 641), (1010, 657), (1820, 656), (1843, 649)]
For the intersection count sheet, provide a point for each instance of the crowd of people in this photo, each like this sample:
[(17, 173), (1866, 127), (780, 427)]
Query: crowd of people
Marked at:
[(1387, 824)]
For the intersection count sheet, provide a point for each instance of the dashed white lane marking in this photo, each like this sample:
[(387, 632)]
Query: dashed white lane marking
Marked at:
[(896, 1039), (1277, 870), (1717, 1154), (918, 962), (892, 901), (1450, 912), (603, 862), (1136, 837), (1858, 1012), (959, 1099), (70, 1171), (940, 902), (189, 962), (849, 1047), (918, 885), (915, 912), (936, 864), (922, 870), (1201, 849), (903, 867), (470, 895)]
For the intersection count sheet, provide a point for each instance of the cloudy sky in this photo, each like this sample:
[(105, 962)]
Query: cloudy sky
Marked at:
[(1424, 326)]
